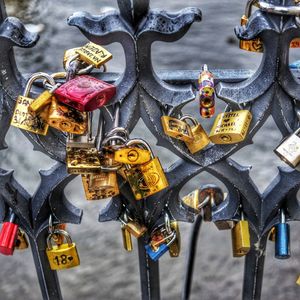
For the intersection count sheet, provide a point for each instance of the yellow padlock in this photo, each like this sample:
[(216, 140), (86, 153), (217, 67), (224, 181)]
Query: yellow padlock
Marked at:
[(240, 239), (132, 155), (174, 248), (64, 256), (127, 240), (230, 127)]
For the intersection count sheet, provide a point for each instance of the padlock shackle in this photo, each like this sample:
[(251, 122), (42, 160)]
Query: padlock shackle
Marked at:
[(137, 142), (33, 78), (113, 138), (117, 130), (190, 118), (58, 232), (82, 71), (282, 216), (167, 223), (248, 8)]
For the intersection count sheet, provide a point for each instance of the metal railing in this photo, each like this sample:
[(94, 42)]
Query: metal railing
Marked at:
[(271, 90)]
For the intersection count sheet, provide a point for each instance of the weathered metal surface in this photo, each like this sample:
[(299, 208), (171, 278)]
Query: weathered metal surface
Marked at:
[(270, 91)]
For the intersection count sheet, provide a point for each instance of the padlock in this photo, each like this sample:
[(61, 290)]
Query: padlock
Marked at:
[(64, 256), (174, 248), (100, 185), (230, 127), (132, 156), (93, 54), (146, 179), (67, 119), (69, 55), (22, 117), (298, 280), (136, 229), (240, 238), (177, 129), (82, 161), (8, 235), (21, 241), (207, 112), (206, 88), (127, 240), (272, 234), (85, 93), (282, 238), (200, 138), (289, 149)]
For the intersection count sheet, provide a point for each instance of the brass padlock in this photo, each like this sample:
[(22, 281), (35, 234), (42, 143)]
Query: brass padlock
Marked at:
[(64, 256), (200, 138), (21, 241), (298, 280), (69, 55), (22, 117), (146, 179), (230, 127), (132, 155), (174, 248), (93, 54), (101, 185), (240, 238), (289, 149), (136, 229), (127, 240), (191, 201), (82, 161), (177, 129), (272, 234), (66, 118)]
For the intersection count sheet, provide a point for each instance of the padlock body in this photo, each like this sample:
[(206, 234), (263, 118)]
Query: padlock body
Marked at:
[(224, 225), (147, 179), (230, 127), (191, 201), (298, 280), (100, 185), (82, 161), (282, 241), (240, 239), (24, 119), (289, 150), (177, 129), (21, 241), (40, 102), (67, 119), (94, 54), (8, 236), (135, 229), (127, 240), (132, 156), (174, 247), (200, 139), (156, 255), (85, 93), (63, 257)]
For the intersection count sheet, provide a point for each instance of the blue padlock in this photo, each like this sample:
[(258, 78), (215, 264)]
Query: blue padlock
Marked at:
[(156, 255), (282, 238)]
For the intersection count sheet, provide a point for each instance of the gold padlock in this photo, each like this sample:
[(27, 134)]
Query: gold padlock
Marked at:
[(93, 54), (200, 138), (136, 229), (21, 241), (132, 156), (240, 239), (101, 185), (298, 280), (22, 117), (68, 55), (289, 149), (83, 161), (174, 248), (127, 240), (66, 118), (272, 234), (230, 127), (146, 179), (64, 256), (177, 129), (192, 201)]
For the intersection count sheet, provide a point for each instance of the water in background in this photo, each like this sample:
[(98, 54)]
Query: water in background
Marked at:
[(107, 271)]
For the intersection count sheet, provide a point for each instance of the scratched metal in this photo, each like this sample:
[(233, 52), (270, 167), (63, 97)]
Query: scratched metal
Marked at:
[(271, 91)]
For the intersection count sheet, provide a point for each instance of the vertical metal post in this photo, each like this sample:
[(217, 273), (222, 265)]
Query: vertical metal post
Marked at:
[(48, 279), (149, 274)]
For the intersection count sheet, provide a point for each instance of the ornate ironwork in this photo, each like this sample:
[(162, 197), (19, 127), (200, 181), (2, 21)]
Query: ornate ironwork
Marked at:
[(271, 91)]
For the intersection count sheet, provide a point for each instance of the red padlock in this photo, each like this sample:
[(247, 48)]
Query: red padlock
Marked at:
[(85, 93), (8, 236)]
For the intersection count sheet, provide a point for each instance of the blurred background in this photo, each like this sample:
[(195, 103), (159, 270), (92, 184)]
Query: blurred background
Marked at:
[(106, 270)]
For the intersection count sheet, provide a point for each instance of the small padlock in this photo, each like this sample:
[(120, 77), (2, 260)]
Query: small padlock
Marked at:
[(177, 129), (206, 88), (174, 248), (126, 237), (207, 112), (136, 229), (200, 138), (100, 185), (67, 119), (93, 54), (240, 238), (289, 149), (132, 156), (64, 256), (298, 280), (22, 117), (8, 235), (230, 127), (21, 241), (69, 55), (272, 234), (146, 179), (282, 238), (85, 93)]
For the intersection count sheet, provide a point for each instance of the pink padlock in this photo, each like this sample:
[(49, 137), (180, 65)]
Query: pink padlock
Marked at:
[(85, 93)]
